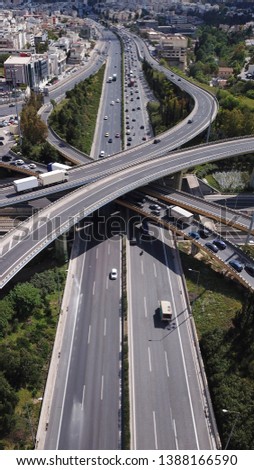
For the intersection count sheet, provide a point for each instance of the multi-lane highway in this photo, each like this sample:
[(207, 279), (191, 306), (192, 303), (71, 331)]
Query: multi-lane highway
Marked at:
[(85, 406), (167, 400)]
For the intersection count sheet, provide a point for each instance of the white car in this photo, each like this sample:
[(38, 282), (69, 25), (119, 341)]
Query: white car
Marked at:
[(102, 153), (105, 118), (117, 100), (113, 274), (112, 103)]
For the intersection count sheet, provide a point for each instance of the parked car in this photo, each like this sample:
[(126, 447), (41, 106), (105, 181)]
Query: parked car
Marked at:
[(235, 264), (220, 244), (249, 268), (204, 233), (212, 247), (194, 235)]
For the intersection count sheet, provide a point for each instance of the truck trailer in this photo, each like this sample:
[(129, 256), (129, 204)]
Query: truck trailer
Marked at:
[(26, 184), (52, 177), (57, 166), (180, 214), (43, 180)]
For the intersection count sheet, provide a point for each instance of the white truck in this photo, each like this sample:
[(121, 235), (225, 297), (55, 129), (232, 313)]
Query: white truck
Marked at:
[(25, 184), (181, 215), (52, 177), (45, 179), (57, 166)]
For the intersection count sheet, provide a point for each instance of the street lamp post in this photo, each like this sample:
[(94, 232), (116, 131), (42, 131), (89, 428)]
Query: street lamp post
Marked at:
[(198, 275), (237, 413)]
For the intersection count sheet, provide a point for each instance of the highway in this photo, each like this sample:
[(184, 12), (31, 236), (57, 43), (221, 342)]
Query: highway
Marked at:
[(24, 242), (85, 408), (72, 423), (167, 401), (204, 207)]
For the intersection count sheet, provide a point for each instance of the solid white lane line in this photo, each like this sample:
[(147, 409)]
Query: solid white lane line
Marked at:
[(105, 326), (83, 398), (89, 334), (142, 267), (154, 270), (102, 385), (166, 359), (155, 431), (97, 253), (108, 249), (145, 307), (93, 287), (175, 433), (149, 359)]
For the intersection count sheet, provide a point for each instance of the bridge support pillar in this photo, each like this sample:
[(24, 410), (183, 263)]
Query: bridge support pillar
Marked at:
[(194, 249), (61, 247), (172, 181)]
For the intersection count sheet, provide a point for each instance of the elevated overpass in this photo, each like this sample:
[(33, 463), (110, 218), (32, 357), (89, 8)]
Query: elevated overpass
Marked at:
[(222, 257), (201, 206), (32, 236)]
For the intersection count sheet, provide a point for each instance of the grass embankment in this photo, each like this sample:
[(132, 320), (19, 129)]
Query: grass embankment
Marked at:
[(223, 314), (215, 300), (29, 316), (74, 119)]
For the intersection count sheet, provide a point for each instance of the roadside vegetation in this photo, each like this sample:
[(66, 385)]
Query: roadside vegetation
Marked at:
[(173, 104), (28, 319), (74, 119), (224, 317)]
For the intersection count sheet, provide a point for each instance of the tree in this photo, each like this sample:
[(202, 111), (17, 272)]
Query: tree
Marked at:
[(26, 299), (8, 401)]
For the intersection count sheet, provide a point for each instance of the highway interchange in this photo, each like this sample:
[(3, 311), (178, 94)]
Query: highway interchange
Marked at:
[(163, 361)]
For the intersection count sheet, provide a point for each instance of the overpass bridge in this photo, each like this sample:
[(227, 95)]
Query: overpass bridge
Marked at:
[(201, 206), (221, 258)]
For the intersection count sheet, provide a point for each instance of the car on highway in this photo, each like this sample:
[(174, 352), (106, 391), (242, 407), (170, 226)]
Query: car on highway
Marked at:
[(155, 207), (11, 105), (190, 121), (102, 154), (1, 142), (236, 265), (113, 273), (32, 166), (105, 118), (142, 127), (156, 141), (249, 268), (110, 140), (144, 137), (212, 247), (194, 235), (117, 100), (220, 244), (117, 135), (106, 134), (20, 162)]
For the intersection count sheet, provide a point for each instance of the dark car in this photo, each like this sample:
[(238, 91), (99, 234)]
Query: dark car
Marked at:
[(220, 244), (110, 141), (142, 127), (129, 139), (6, 158), (235, 264), (204, 233), (190, 121), (212, 247), (249, 268), (156, 141), (1, 143)]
